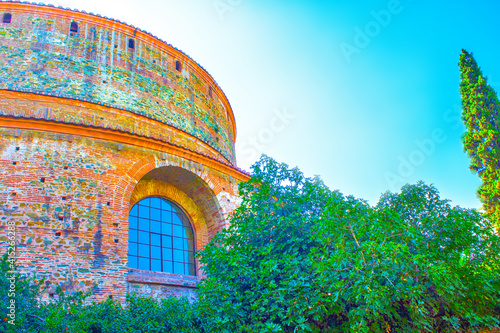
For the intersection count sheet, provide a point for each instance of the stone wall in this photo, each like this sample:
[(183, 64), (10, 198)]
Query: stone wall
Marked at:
[(40, 54), (70, 199), (96, 115)]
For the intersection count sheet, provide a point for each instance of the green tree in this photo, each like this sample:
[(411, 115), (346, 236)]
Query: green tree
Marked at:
[(298, 257), (19, 306), (73, 313), (480, 113)]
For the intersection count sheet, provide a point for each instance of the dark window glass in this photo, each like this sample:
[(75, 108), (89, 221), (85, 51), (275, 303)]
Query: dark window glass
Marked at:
[(166, 228), (188, 257), (144, 212), (132, 261), (132, 248), (179, 255), (156, 265), (131, 43), (155, 239), (178, 230), (73, 27), (160, 237), (168, 267), (132, 222), (176, 219), (156, 252), (167, 241), (167, 254), (156, 202), (156, 226), (179, 268), (144, 237), (155, 214), (143, 224), (178, 66), (144, 250), (144, 264), (166, 216), (7, 18), (166, 206), (178, 243)]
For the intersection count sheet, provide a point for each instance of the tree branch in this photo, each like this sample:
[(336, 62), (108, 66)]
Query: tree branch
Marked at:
[(30, 315), (353, 235)]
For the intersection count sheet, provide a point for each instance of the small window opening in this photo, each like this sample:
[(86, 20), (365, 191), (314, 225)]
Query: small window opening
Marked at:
[(42, 179), (73, 28), (115, 225), (14, 163), (116, 241), (108, 203), (7, 18), (178, 66), (17, 148), (63, 198), (14, 194), (65, 168), (58, 234), (131, 43)]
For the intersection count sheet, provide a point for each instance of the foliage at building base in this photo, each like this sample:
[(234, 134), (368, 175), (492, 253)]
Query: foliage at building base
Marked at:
[(300, 258), (72, 313), (481, 115)]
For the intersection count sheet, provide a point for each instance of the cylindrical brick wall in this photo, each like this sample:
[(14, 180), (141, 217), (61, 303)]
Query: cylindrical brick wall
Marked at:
[(94, 116)]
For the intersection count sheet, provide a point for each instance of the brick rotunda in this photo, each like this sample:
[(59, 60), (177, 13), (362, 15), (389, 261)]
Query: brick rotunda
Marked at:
[(116, 153)]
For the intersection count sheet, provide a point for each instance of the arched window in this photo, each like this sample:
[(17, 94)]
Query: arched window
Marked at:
[(178, 65), (73, 29), (7, 18), (160, 237), (131, 43)]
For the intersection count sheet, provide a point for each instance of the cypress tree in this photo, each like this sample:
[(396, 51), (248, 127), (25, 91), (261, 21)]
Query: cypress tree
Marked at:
[(480, 113)]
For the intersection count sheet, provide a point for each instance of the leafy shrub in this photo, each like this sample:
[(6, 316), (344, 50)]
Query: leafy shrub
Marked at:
[(66, 312), (300, 258)]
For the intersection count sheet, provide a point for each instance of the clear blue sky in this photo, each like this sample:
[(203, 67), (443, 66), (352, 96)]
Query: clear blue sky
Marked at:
[(363, 93)]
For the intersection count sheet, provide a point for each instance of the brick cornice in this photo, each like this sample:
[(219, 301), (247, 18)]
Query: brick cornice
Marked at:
[(123, 138), (125, 28)]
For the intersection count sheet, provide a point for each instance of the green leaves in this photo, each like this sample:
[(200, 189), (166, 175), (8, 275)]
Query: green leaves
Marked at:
[(298, 257), (481, 115), (75, 314), (301, 258)]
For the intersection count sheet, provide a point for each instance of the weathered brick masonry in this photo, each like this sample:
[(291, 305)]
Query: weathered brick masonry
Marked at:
[(96, 115)]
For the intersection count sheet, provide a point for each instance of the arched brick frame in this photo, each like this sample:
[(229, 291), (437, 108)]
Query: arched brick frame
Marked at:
[(184, 182), (147, 188), (204, 195)]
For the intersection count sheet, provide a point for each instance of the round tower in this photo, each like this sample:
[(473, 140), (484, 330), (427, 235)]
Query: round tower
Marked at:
[(116, 151)]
